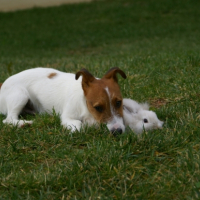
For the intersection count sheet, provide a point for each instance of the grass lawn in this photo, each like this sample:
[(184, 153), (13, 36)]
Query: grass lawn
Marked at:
[(157, 44)]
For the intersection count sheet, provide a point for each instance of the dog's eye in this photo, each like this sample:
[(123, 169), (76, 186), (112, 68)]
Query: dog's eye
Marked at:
[(145, 120), (118, 104), (98, 108)]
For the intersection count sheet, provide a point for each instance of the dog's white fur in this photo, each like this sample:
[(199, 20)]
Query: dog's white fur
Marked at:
[(61, 92), (138, 116)]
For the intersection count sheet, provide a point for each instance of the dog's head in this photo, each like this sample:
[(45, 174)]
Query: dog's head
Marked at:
[(103, 98)]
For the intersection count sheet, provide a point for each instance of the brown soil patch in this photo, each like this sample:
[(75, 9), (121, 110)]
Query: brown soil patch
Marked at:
[(158, 102)]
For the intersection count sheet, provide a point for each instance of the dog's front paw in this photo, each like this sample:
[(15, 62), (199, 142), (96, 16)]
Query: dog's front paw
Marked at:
[(73, 128), (73, 125)]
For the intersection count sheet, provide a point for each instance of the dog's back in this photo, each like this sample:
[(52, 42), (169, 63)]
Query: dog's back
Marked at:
[(44, 87)]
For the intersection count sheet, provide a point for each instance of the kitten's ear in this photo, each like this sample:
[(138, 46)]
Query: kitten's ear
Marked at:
[(127, 106), (145, 106), (126, 109)]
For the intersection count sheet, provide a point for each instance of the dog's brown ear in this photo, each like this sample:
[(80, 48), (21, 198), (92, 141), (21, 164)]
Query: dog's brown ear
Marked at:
[(1, 85), (112, 73), (87, 78)]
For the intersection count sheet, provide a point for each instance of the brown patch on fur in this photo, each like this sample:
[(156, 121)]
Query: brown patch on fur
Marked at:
[(52, 75), (1, 85)]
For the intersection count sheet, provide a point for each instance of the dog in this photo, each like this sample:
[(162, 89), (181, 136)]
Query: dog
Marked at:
[(78, 98), (138, 116)]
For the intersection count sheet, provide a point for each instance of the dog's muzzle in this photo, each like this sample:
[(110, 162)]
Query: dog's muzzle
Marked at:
[(117, 131)]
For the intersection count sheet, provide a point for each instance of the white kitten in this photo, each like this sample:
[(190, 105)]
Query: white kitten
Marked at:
[(138, 116)]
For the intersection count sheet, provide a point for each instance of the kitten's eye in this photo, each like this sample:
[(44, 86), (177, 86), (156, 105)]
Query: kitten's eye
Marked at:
[(118, 104), (98, 108), (145, 120)]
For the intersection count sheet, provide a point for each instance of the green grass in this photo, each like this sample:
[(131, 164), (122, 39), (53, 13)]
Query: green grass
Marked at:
[(157, 44)]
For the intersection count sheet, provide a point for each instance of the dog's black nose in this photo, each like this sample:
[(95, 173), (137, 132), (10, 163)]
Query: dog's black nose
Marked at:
[(117, 131)]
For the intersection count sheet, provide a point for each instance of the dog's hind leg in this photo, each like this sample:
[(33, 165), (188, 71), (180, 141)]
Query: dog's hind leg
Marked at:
[(15, 102)]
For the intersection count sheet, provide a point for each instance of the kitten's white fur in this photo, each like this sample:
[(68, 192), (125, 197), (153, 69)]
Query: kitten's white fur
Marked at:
[(138, 116)]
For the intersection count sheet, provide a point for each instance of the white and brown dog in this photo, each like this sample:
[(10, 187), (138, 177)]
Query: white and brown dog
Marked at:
[(78, 100)]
